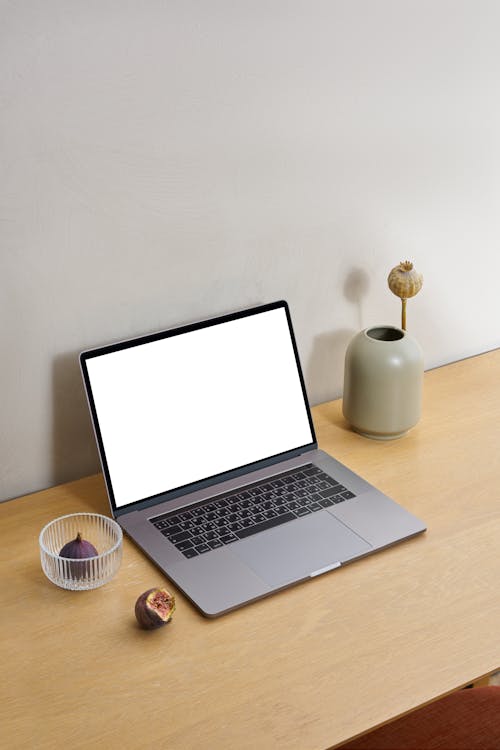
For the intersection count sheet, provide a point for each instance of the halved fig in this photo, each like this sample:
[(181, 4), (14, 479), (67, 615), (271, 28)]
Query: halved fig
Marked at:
[(154, 608)]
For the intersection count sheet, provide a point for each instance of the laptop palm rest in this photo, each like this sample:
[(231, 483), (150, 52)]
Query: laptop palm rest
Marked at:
[(300, 548)]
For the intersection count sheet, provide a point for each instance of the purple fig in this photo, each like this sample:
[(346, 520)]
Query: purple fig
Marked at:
[(154, 608), (79, 549)]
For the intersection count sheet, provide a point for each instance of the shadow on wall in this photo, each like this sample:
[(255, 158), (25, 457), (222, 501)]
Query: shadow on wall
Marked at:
[(356, 286), (74, 452), (325, 372)]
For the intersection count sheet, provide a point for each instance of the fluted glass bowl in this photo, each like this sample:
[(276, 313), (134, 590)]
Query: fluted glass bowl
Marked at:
[(81, 574)]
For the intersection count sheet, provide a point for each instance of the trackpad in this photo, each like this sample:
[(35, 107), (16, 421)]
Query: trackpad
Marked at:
[(295, 550)]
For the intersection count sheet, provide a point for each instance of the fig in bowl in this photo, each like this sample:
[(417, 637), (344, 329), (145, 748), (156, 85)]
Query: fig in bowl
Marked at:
[(154, 608), (78, 551), (81, 551)]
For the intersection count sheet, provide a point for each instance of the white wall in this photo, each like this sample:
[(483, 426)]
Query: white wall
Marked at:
[(163, 161)]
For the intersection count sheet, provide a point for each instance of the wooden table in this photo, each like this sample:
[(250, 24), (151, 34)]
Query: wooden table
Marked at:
[(305, 669)]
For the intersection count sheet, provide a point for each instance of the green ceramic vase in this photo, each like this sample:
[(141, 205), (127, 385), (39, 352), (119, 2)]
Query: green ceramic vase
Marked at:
[(383, 379)]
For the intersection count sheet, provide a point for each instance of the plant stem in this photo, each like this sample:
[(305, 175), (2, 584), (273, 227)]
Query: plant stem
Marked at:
[(403, 314)]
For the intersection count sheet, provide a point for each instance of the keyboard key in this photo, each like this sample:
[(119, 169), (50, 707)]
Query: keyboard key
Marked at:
[(323, 485), (347, 495), (330, 480), (302, 511), (327, 502), (209, 526), (202, 548), (186, 544), (191, 552), (330, 491), (197, 540), (176, 538), (228, 538), (268, 524)]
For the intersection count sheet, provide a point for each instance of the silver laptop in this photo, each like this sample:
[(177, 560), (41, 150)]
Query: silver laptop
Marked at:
[(211, 462)]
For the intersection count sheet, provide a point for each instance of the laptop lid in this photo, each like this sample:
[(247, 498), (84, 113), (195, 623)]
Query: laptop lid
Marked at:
[(188, 407)]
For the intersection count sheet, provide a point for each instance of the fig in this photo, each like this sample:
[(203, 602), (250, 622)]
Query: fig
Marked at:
[(78, 549), (154, 608)]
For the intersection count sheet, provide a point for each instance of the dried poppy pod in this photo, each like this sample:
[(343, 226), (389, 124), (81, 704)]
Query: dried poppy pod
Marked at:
[(404, 282)]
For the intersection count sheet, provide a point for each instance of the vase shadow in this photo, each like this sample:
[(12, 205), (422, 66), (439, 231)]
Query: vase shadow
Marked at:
[(356, 287), (325, 368)]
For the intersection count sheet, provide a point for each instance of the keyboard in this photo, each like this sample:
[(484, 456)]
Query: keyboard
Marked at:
[(226, 518)]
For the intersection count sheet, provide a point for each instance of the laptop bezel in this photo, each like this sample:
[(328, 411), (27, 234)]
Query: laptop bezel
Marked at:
[(209, 481)]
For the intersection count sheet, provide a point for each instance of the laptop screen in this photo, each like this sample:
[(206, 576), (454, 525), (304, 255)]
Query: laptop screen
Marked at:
[(195, 402)]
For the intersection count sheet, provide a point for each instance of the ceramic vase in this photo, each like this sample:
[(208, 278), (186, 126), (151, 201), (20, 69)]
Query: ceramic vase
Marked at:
[(383, 380)]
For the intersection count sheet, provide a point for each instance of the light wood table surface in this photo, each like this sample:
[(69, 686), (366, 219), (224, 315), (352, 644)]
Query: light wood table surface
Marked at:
[(305, 669)]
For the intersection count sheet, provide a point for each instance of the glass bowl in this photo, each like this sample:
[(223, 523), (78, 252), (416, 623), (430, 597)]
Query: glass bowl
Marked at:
[(81, 574)]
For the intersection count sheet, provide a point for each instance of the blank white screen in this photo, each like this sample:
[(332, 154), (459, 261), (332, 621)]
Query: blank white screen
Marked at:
[(193, 405)]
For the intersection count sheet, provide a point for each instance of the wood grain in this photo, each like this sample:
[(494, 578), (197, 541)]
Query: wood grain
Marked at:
[(308, 668)]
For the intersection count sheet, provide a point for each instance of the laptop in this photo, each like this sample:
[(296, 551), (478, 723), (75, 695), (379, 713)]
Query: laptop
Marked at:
[(212, 466)]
